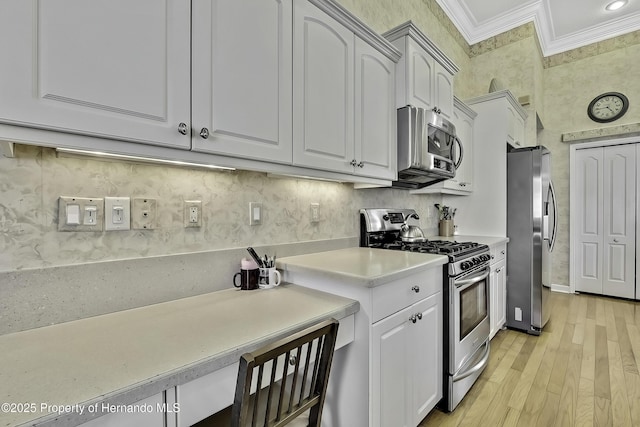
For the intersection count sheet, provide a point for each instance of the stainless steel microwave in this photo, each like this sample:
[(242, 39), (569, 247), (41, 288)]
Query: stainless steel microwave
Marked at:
[(427, 148)]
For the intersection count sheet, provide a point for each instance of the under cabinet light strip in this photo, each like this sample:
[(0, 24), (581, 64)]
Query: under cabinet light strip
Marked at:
[(101, 154)]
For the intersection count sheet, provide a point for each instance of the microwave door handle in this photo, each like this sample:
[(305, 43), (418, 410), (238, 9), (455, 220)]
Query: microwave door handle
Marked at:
[(457, 165), (419, 138)]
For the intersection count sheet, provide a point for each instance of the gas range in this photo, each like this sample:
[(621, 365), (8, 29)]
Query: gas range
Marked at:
[(380, 228), (465, 294)]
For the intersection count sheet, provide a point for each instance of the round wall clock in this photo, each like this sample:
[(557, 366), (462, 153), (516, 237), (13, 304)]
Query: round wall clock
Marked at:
[(608, 107)]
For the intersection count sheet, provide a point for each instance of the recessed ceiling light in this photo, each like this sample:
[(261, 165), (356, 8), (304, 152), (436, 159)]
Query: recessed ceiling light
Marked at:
[(615, 5)]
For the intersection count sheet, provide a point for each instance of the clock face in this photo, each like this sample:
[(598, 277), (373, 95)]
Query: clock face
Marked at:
[(608, 107)]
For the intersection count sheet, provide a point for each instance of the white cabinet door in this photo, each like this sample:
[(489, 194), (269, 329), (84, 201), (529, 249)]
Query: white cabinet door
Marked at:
[(443, 91), (375, 113), (498, 296), (148, 413), (426, 351), (113, 69), (406, 357), (604, 260), (242, 62), (422, 81), (419, 76), (323, 94), (390, 367), (463, 180)]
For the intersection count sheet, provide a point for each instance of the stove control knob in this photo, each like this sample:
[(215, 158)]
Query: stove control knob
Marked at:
[(465, 265), (385, 217)]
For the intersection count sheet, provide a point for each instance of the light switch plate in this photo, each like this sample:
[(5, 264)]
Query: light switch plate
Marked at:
[(89, 214), (315, 212), (117, 213), (255, 213), (143, 213)]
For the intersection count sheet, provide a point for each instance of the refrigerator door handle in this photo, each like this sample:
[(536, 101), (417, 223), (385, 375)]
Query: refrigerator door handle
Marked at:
[(552, 240)]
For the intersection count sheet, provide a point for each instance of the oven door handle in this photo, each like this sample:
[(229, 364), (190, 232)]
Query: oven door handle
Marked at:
[(475, 368), (463, 284)]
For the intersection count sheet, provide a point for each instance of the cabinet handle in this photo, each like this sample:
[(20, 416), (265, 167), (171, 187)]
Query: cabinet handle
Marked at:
[(436, 110), (183, 128), (204, 133), (615, 240), (353, 162), (413, 318), (292, 360), (419, 316), (361, 164), (416, 289)]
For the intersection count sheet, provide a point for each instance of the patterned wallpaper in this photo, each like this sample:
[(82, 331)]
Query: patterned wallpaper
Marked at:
[(31, 182)]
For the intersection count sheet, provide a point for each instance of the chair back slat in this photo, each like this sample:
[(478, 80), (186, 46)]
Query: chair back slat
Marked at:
[(299, 373)]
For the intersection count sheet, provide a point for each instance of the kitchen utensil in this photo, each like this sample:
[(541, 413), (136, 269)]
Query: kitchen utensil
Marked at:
[(255, 256)]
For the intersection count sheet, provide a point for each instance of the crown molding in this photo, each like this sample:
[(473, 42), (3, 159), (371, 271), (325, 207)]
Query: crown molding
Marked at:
[(538, 13)]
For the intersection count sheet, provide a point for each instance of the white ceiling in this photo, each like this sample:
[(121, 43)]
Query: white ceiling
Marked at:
[(561, 24)]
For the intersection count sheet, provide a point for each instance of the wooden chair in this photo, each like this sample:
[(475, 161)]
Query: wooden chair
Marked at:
[(281, 399)]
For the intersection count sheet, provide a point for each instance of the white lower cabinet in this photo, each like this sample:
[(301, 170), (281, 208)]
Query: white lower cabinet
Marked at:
[(406, 362), (498, 290), (155, 411), (391, 375)]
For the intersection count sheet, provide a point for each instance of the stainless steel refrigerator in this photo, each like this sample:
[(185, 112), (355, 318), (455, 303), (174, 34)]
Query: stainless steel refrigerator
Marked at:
[(531, 229)]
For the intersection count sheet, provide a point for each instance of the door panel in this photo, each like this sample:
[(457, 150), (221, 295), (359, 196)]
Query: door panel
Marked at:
[(90, 68), (589, 187), (390, 361), (242, 79), (323, 94), (375, 117), (605, 182), (619, 220)]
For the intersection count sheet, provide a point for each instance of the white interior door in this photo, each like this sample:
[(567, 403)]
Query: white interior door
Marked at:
[(588, 184), (605, 182), (619, 221)]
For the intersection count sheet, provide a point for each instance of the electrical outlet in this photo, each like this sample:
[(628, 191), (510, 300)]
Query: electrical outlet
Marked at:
[(315, 212), (117, 213), (143, 213), (80, 213), (192, 213), (255, 213)]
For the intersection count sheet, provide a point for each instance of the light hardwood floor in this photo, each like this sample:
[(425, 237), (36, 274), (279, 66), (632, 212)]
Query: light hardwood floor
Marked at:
[(581, 371)]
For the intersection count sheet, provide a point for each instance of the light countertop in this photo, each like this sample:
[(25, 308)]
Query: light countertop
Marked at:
[(362, 266), (123, 357)]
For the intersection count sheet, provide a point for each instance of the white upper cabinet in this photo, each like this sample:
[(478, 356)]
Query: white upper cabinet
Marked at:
[(515, 129), (298, 88), (343, 98), (424, 75), (241, 86), (323, 78), (89, 68), (375, 113)]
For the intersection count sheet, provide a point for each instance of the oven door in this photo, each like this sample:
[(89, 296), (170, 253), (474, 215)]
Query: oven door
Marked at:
[(469, 317)]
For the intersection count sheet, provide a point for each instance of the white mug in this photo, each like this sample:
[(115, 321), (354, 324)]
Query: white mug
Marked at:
[(269, 277)]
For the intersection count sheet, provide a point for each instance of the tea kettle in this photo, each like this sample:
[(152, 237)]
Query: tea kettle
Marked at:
[(411, 233)]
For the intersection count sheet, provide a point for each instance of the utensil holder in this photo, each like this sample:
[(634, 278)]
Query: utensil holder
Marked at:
[(446, 227)]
